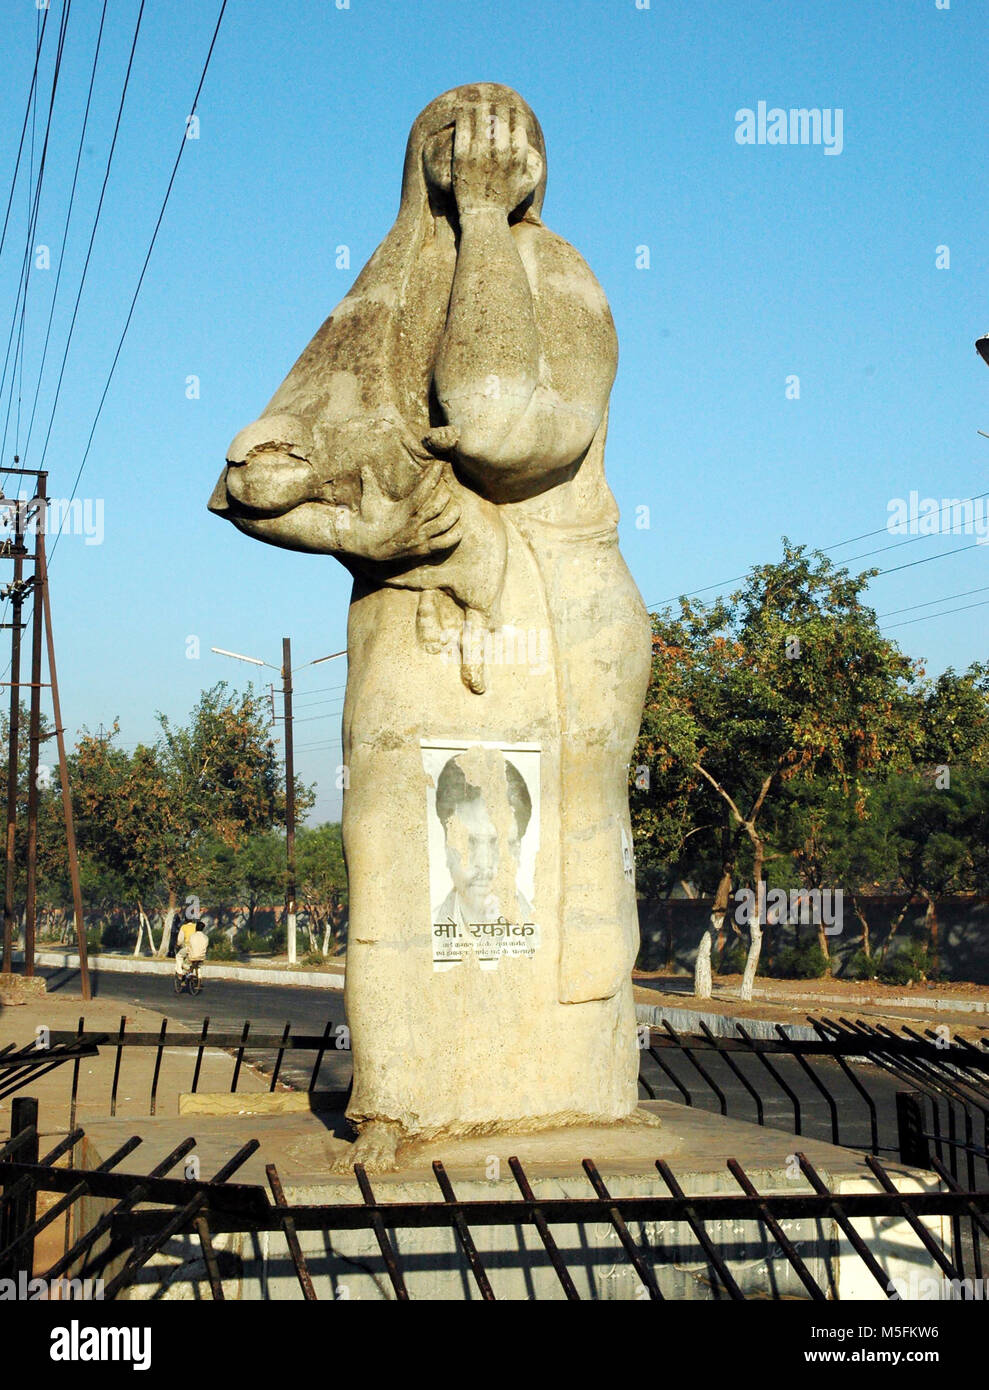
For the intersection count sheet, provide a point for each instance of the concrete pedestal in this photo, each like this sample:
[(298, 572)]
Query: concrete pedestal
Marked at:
[(349, 1265)]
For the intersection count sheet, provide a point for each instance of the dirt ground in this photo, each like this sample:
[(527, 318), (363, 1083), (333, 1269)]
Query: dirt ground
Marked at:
[(793, 1001)]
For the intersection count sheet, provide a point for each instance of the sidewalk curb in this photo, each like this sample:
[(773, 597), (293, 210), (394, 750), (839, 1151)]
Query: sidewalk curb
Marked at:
[(944, 1004), (122, 965), (721, 1025)]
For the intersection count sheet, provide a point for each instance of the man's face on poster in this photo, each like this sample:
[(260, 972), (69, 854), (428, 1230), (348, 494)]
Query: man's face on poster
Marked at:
[(472, 857)]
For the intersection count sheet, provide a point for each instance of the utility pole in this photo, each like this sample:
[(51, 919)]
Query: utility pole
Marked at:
[(289, 801), (34, 731), (286, 674), (16, 593), (41, 571)]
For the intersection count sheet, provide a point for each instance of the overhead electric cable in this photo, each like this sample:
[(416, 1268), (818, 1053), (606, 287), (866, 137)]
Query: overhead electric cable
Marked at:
[(888, 627), (137, 291), (826, 550), (27, 114), (65, 229), (31, 229), (966, 593), (96, 223)]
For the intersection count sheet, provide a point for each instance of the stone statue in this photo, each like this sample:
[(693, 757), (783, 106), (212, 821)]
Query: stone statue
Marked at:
[(443, 437)]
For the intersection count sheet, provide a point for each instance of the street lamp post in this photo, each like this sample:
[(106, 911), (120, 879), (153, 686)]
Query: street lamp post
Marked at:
[(289, 800), (286, 674)]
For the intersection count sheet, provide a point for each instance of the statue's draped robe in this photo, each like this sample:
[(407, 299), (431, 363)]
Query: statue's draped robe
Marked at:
[(551, 1036)]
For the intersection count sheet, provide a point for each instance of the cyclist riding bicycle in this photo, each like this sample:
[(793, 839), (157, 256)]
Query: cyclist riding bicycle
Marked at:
[(192, 948)]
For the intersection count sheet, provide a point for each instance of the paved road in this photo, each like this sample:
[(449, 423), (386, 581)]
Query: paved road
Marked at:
[(228, 1004), (269, 1007)]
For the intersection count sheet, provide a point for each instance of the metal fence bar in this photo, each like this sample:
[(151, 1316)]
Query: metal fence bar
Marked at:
[(278, 1059), (201, 1048), (463, 1233), (688, 1053), (545, 1234), (29, 1064), (240, 1055), (919, 1229), (381, 1235), (812, 1076), (157, 1071), (978, 1218), (25, 1185), (855, 1240), (622, 1231), (136, 1194), (116, 1064), (319, 1056), (737, 1073), (178, 1222), (201, 1226), (789, 1092), (777, 1232), (291, 1235), (819, 1027), (18, 1213), (696, 1225), (687, 1097), (72, 1196), (75, 1081)]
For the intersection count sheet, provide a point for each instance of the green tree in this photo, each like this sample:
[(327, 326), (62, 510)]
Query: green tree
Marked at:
[(323, 884), (787, 679)]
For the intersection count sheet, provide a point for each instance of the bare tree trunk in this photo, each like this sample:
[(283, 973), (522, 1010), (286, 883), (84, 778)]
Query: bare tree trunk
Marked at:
[(932, 929), (755, 926), (894, 925), (863, 920), (166, 931), (143, 924), (702, 965)]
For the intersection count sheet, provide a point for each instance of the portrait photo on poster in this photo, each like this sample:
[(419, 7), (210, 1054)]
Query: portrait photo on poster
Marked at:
[(482, 819)]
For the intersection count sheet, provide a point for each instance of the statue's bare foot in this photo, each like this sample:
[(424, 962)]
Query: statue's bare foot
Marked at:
[(643, 1117), (376, 1147)]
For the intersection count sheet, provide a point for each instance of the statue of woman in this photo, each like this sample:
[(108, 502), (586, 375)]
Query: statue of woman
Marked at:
[(443, 437)]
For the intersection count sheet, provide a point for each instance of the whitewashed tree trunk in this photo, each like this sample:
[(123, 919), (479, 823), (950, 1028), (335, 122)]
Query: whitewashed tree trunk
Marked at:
[(166, 931), (702, 965), (755, 939)]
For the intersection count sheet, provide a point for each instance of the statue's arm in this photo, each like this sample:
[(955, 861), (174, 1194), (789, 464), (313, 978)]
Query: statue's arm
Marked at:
[(524, 379)]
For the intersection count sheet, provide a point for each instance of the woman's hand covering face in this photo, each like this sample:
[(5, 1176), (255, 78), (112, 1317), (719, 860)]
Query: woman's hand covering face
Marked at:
[(485, 159)]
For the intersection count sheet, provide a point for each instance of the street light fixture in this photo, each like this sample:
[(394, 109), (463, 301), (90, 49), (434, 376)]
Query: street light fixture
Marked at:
[(286, 670)]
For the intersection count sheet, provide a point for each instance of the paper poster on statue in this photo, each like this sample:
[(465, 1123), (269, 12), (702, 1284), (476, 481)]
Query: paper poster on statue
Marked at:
[(482, 817)]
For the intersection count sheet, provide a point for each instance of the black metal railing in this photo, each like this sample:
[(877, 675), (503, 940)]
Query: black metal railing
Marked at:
[(123, 1240)]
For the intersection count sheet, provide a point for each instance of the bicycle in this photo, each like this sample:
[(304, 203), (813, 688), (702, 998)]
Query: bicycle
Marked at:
[(190, 978)]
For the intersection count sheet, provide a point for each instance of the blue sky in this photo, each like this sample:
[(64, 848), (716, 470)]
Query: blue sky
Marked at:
[(765, 262)]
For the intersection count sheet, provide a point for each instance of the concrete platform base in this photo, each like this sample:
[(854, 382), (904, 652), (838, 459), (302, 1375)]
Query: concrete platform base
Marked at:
[(349, 1264), (18, 989)]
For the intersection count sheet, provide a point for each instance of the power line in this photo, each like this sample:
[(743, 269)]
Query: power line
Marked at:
[(826, 550), (96, 223), (330, 714), (27, 113), (65, 229), (964, 608), (140, 282), (927, 560), (321, 689), (312, 704), (966, 593), (21, 298)]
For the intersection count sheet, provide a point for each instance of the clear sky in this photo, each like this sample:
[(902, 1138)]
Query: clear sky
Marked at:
[(765, 262)]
